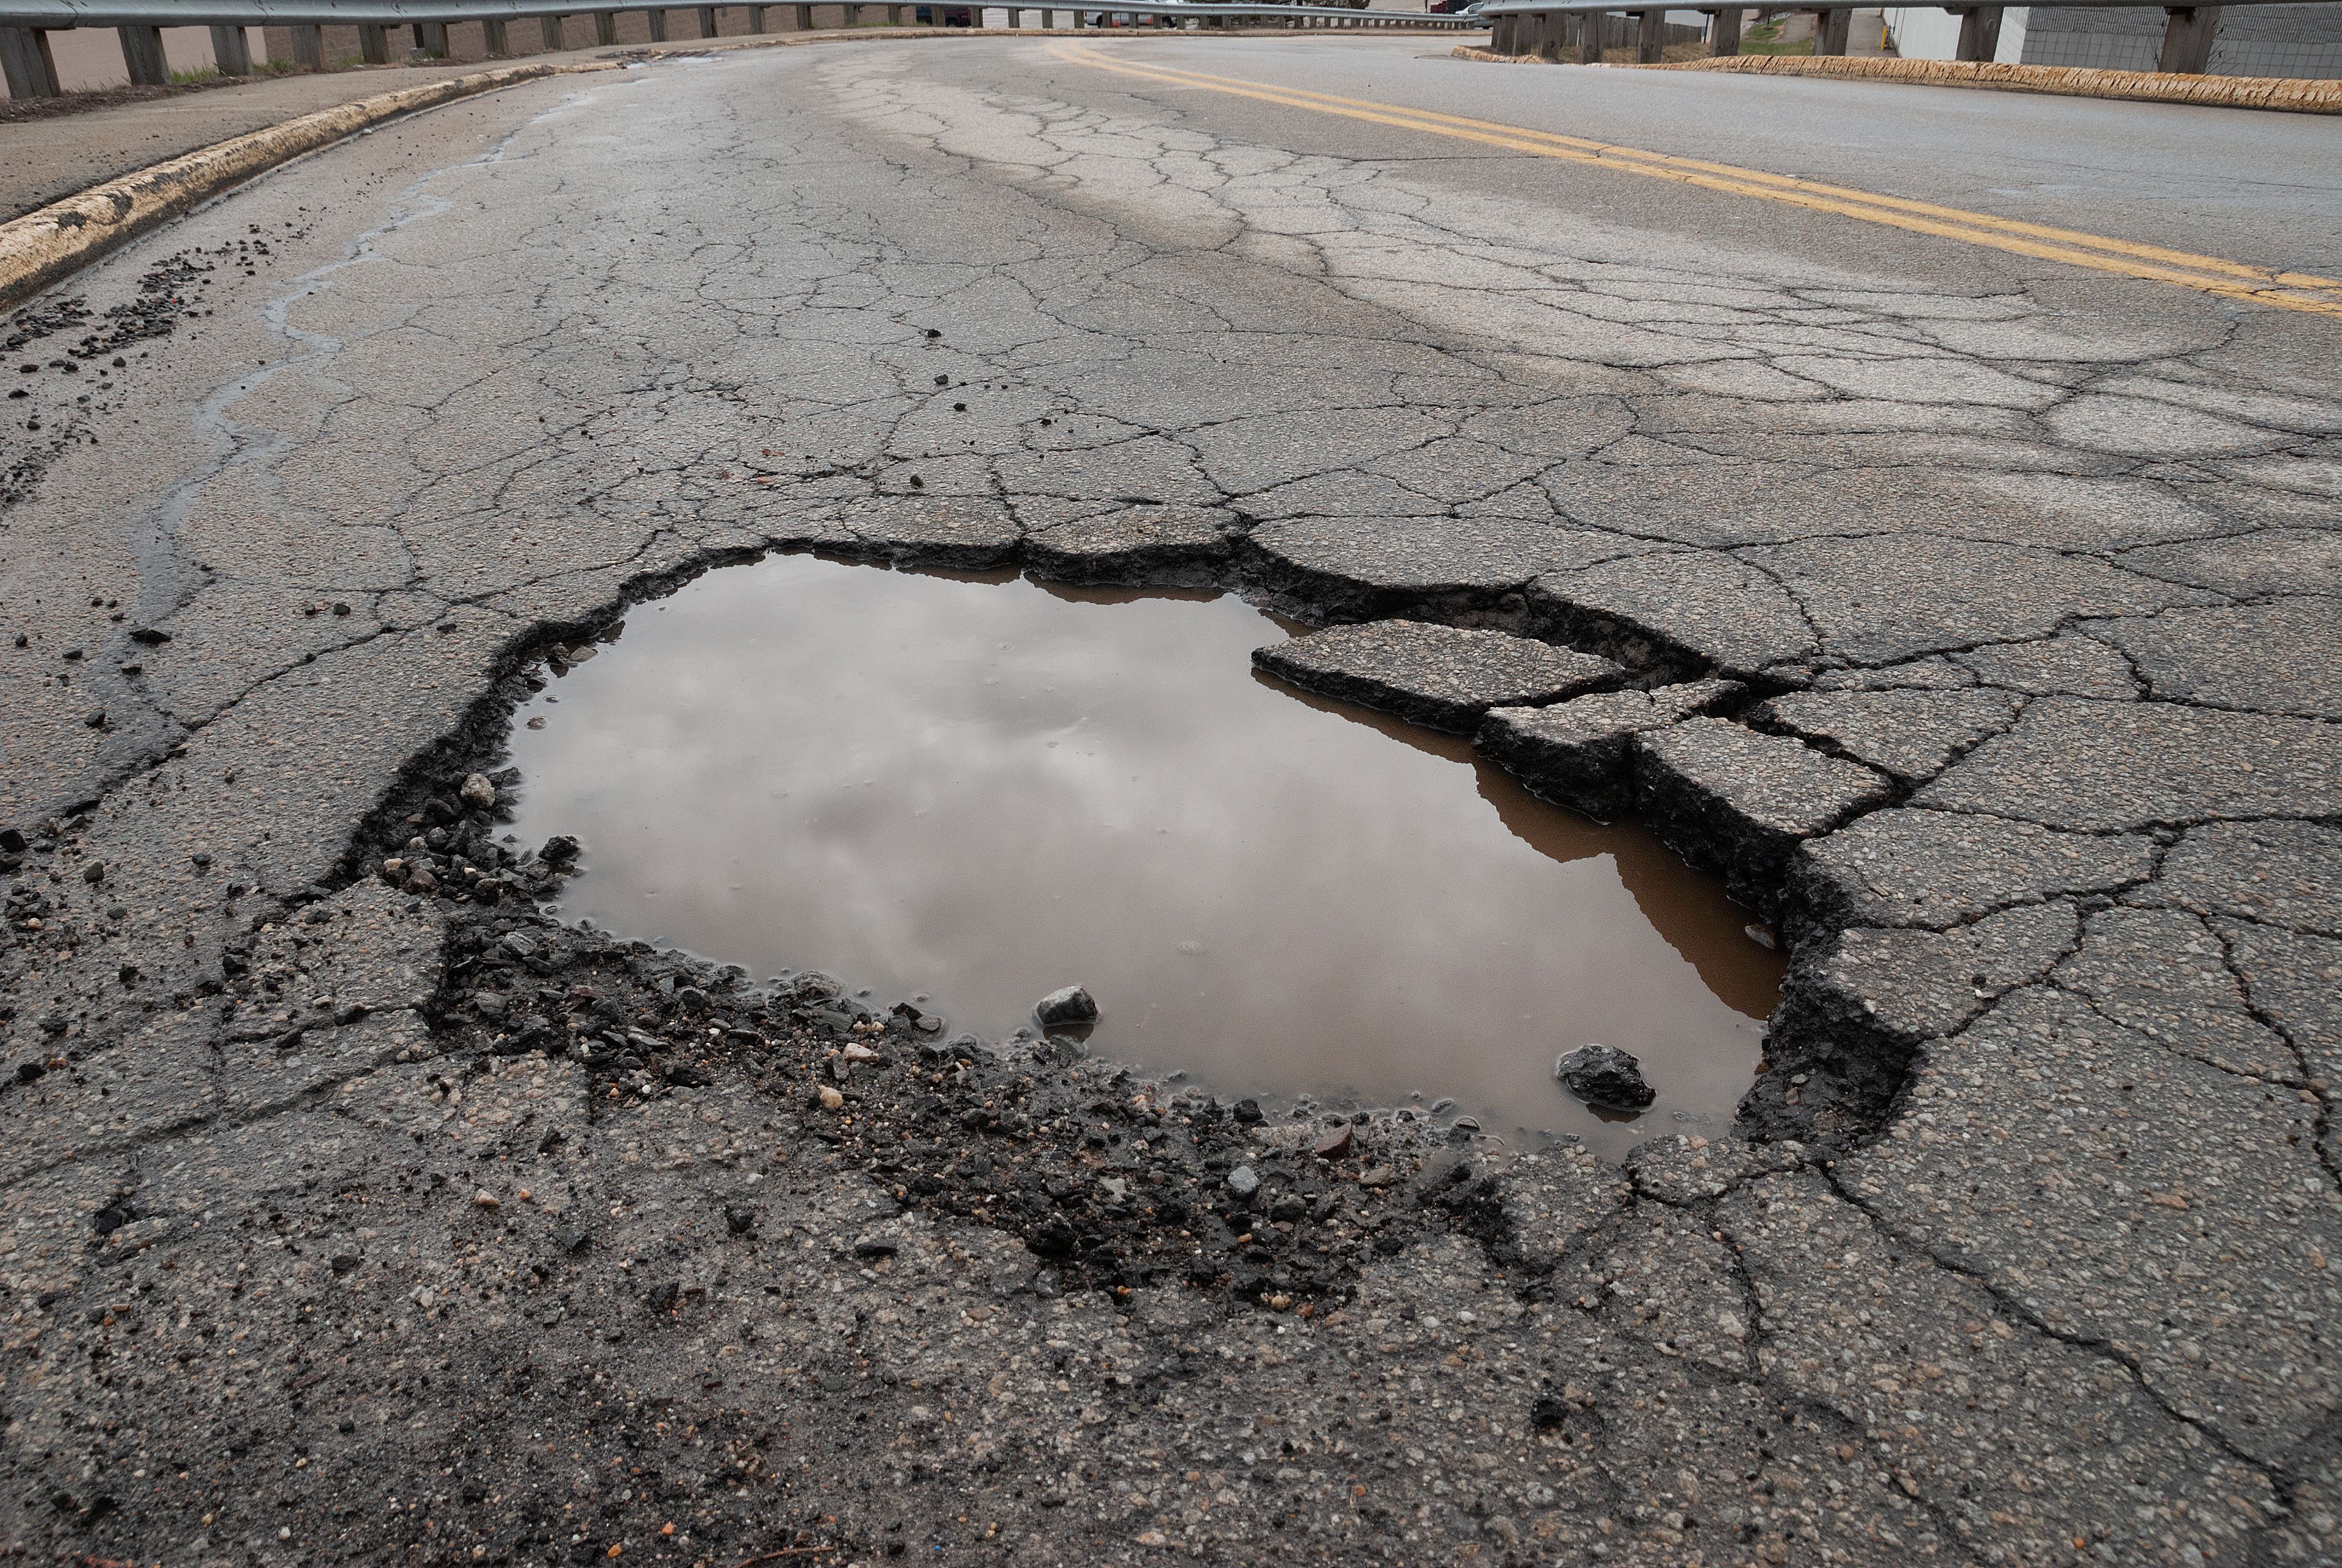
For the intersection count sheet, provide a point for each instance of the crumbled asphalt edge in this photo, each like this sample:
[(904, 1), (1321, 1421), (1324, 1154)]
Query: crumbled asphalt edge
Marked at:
[(1005, 1134), (992, 1133), (1009, 1134)]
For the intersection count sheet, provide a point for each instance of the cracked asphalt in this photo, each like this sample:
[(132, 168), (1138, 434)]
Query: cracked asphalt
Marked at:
[(1973, 614)]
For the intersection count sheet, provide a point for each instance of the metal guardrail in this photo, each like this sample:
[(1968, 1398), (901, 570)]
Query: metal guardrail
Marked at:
[(25, 25), (1553, 27)]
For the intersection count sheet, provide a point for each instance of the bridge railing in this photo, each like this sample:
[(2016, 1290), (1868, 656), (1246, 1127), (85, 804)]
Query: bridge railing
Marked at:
[(1558, 29), (25, 24)]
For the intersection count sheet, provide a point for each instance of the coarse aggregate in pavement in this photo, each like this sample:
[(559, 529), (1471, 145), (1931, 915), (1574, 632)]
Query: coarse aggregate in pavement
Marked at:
[(359, 1210)]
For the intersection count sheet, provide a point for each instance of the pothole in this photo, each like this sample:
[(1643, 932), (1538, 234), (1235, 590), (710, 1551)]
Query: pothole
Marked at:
[(967, 791)]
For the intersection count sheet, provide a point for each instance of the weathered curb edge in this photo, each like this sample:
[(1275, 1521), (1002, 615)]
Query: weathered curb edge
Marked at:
[(2301, 96), (44, 245), (50, 242)]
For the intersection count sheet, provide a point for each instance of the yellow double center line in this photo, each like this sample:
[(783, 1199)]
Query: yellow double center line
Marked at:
[(2153, 264)]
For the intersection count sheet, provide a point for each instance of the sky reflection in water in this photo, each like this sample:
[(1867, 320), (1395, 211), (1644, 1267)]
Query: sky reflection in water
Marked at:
[(983, 789)]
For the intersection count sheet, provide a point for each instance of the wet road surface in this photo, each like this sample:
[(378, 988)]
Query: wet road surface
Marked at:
[(351, 1220)]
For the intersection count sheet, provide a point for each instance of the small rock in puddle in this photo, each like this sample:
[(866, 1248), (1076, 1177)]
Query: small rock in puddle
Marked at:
[(1605, 1077), (1071, 1004)]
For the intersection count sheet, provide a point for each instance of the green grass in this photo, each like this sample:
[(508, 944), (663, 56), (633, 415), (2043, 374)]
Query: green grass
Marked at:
[(1765, 38)]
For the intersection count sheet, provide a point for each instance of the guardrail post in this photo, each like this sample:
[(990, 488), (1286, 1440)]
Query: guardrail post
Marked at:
[(1831, 29), (1589, 38), (548, 31), (142, 56), (1979, 33), (231, 51), (1724, 32), (1651, 41), (31, 68), (308, 46), (656, 16), (434, 38), (707, 20), (492, 41), (605, 28), (755, 18), (373, 44), (2187, 38)]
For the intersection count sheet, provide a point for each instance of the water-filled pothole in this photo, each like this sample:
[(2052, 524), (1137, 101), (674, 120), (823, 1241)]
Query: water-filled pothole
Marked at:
[(982, 789)]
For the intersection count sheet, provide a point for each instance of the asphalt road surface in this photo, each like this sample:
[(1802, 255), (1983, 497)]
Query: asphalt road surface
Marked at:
[(1987, 442)]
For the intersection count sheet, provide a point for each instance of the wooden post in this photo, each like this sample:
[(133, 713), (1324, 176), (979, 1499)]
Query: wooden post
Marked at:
[(142, 56), (434, 38), (2187, 38), (492, 42), (755, 18), (308, 46), (804, 18), (548, 31), (30, 66), (1589, 38), (1651, 41), (894, 16), (1979, 33), (605, 28), (1830, 30), (373, 44), (656, 15), (231, 51), (707, 22), (1724, 32)]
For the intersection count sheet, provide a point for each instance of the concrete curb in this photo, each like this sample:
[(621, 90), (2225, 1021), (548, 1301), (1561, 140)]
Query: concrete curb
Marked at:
[(51, 243), (43, 246), (2298, 95)]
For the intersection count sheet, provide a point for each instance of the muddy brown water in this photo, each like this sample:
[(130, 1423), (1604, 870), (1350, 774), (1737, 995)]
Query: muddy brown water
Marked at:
[(971, 790)]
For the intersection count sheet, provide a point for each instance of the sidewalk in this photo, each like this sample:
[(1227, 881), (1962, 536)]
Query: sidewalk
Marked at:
[(47, 159), (51, 155)]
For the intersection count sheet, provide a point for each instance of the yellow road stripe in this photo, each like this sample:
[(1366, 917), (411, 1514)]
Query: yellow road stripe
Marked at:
[(2153, 263), (1791, 182)]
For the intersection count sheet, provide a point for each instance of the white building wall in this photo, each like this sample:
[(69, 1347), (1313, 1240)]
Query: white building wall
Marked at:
[(2251, 40), (1926, 32)]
